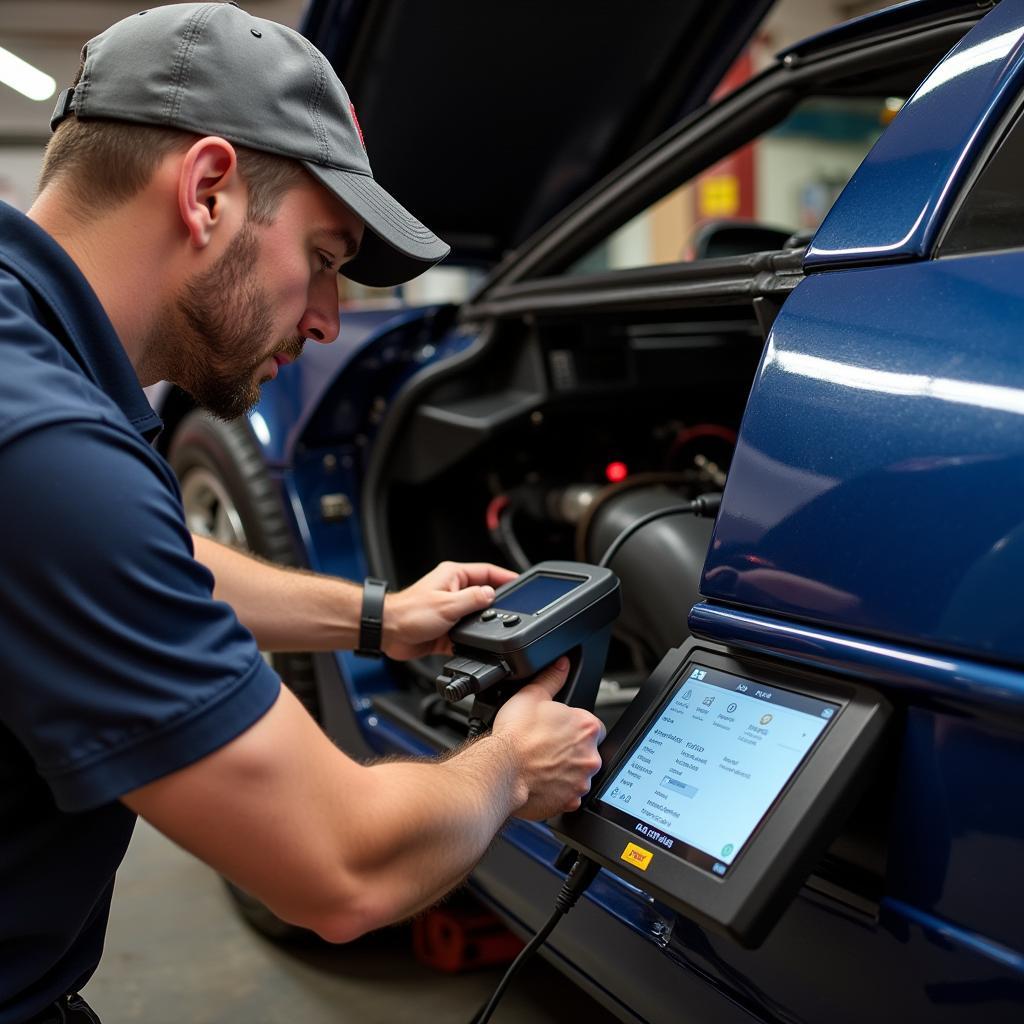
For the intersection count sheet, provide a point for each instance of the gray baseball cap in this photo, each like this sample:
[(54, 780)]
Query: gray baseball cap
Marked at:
[(212, 68)]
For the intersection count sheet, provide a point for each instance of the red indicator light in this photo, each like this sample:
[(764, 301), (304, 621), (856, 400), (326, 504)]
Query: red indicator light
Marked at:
[(615, 472)]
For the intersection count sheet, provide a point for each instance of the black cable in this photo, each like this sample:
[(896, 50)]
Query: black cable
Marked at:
[(581, 874), (509, 542), (704, 505)]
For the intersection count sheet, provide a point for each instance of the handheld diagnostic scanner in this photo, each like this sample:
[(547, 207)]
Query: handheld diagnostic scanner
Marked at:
[(555, 608)]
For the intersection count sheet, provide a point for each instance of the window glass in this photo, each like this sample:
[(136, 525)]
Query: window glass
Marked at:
[(992, 216), (781, 184)]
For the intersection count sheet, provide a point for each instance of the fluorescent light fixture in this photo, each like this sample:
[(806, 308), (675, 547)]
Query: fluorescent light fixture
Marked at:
[(22, 77)]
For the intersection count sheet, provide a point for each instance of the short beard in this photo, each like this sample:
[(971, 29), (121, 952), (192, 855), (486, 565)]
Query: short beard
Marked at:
[(214, 325)]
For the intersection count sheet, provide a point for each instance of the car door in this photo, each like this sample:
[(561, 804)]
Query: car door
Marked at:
[(872, 526)]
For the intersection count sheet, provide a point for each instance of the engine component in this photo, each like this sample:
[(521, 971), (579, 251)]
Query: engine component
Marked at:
[(659, 567)]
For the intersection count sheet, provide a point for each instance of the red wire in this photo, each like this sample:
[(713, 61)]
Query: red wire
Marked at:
[(706, 430), (495, 507), (702, 430)]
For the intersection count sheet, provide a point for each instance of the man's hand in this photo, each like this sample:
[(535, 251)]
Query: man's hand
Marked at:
[(417, 619), (556, 746)]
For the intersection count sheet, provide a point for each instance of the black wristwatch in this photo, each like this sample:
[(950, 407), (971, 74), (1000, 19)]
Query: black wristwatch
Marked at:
[(371, 621)]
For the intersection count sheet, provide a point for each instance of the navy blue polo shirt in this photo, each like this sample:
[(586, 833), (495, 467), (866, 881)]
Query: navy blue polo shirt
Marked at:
[(118, 667)]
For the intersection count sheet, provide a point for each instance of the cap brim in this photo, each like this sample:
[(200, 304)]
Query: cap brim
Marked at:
[(396, 247)]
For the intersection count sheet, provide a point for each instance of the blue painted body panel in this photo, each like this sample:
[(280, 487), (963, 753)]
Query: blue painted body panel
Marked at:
[(895, 508), (910, 674), (895, 204), (872, 527)]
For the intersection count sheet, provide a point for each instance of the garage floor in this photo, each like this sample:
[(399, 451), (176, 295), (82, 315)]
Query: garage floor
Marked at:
[(177, 951)]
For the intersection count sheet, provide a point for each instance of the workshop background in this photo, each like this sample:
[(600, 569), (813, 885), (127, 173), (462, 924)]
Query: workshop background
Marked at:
[(176, 949)]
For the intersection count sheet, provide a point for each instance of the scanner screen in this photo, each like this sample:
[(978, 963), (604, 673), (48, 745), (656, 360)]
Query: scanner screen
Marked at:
[(712, 763), (536, 593)]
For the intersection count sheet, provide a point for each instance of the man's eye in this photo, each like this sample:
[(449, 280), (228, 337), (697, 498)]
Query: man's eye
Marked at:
[(326, 263)]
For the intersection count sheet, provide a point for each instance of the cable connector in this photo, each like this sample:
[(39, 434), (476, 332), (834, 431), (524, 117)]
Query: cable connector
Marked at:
[(461, 677), (707, 505), (576, 883)]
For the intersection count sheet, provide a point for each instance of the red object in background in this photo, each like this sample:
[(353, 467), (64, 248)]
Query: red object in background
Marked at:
[(695, 433), (616, 472), (462, 937), (495, 507)]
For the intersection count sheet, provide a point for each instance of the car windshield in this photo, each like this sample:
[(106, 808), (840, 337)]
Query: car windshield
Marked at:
[(775, 188)]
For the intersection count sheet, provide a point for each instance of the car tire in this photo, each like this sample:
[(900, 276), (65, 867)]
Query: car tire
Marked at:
[(228, 494)]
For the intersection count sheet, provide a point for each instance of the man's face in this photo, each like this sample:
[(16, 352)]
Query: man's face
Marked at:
[(233, 325)]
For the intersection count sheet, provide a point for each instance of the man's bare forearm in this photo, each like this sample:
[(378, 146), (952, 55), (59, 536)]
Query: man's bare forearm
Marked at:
[(285, 609), (329, 844), (293, 610), (341, 847), (429, 824)]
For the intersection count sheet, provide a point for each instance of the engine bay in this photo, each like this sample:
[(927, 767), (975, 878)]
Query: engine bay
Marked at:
[(555, 432)]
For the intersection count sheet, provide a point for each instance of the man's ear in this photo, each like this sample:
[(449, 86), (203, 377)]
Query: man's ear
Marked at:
[(209, 188)]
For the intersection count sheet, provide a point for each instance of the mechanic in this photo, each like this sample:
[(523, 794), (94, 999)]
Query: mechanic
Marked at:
[(205, 183)]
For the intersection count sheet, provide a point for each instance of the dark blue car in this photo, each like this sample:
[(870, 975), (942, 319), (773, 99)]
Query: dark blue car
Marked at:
[(856, 387)]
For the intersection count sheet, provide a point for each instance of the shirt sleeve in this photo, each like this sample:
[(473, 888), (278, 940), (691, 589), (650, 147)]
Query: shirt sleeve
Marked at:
[(119, 667)]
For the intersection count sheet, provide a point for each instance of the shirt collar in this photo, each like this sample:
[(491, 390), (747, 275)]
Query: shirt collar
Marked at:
[(88, 335)]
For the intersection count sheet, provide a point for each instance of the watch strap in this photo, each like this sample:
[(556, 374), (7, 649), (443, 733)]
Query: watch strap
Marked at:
[(371, 619)]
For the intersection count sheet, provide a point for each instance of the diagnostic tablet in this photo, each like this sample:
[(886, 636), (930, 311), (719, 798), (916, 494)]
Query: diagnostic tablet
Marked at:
[(724, 781)]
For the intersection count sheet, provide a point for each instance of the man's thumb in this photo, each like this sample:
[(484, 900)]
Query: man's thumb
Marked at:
[(552, 679), (471, 599)]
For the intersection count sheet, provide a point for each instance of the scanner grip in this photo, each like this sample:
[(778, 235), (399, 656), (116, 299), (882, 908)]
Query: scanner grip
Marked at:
[(586, 666)]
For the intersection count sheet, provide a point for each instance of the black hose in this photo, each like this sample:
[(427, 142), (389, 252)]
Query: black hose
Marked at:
[(509, 543), (705, 505)]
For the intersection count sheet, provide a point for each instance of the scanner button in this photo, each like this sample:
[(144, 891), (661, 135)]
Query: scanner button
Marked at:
[(488, 615), (511, 620)]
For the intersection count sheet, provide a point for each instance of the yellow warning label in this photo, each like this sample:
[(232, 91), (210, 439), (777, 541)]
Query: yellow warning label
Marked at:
[(636, 856)]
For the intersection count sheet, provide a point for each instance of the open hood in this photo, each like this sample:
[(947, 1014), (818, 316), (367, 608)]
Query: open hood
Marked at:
[(486, 118)]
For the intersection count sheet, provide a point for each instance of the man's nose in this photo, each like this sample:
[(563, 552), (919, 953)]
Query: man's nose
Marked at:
[(321, 321)]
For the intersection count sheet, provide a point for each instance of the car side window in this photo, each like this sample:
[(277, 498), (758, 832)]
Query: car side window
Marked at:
[(992, 214), (774, 190)]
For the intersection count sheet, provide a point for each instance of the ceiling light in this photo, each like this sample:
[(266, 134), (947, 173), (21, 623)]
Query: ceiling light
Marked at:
[(24, 78)]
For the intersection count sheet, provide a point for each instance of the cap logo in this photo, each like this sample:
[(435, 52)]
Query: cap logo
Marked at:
[(359, 128)]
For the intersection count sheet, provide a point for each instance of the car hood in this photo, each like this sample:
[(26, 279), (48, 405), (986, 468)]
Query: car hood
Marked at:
[(485, 119)]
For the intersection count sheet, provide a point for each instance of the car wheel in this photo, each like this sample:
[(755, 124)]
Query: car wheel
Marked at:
[(228, 495)]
